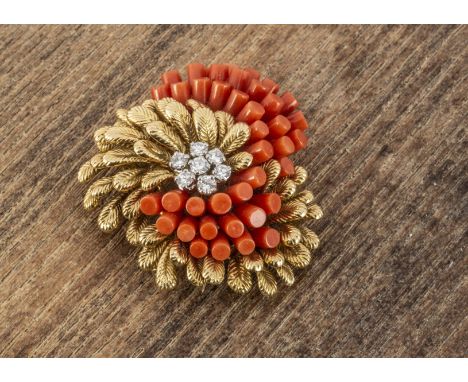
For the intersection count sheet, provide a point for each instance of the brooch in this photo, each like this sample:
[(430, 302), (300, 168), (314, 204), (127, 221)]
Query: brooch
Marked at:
[(203, 174)]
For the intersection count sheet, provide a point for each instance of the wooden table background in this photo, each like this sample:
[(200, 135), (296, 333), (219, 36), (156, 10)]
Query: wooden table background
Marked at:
[(388, 164)]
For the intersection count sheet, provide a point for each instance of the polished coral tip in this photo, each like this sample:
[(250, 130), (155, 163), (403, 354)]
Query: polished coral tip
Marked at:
[(239, 79), (195, 206), (218, 72), (167, 222), (273, 105), (251, 112), (251, 215), (151, 204), (171, 77), (269, 202), (219, 203), (231, 225), (287, 166), (220, 248), (283, 147), (245, 244), (279, 126), (161, 92), (256, 90), (298, 120), (187, 229), (195, 70), (208, 228), (255, 176), (271, 85), (258, 130), (254, 74), (261, 151), (240, 192), (220, 92), (201, 89), (174, 201), (198, 247), (236, 101), (266, 237), (180, 91), (290, 103), (299, 139)]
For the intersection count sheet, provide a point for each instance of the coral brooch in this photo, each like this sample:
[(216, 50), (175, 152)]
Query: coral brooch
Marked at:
[(203, 174)]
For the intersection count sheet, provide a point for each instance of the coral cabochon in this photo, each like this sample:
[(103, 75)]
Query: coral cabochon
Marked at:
[(204, 173)]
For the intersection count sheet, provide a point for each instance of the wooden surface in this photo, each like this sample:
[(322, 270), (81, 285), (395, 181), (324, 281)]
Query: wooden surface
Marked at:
[(388, 164)]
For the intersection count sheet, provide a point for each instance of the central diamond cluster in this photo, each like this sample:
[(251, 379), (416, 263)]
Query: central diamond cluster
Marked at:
[(203, 168)]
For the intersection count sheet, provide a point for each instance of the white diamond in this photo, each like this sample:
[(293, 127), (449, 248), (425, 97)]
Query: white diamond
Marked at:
[(206, 184), (215, 156), (179, 160), (222, 172), (198, 148), (199, 165), (185, 180)]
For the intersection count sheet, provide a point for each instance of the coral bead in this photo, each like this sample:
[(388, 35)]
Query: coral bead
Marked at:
[(252, 216), (231, 225), (279, 126), (273, 105), (261, 151), (287, 166), (240, 192), (258, 130), (167, 222), (251, 112), (269, 202), (255, 176), (161, 92), (236, 101), (245, 243), (298, 120), (198, 247), (187, 229), (180, 91), (201, 89), (151, 204), (174, 201), (266, 237), (219, 203), (171, 77), (283, 147), (208, 228), (219, 95), (299, 139), (195, 206), (220, 248), (195, 70)]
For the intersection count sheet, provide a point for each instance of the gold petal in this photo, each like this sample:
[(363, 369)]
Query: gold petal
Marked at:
[(97, 161), (194, 274), (193, 104), (306, 197), (290, 211), (286, 274), (149, 236), (225, 121), (148, 256), (239, 278), (141, 115), (122, 115), (109, 218), (205, 125), (155, 178), (86, 172), (178, 252), (235, 138), (152, 150), (272, 257), (240, 161), (122, 135), (101, 187), (309, 239), (300, 175), (252, 262), (166, 136), (165, 275), (290, 235), (272, 169), (131, 204), (179, 117), (213, 270), (298, 256), (285, 188), (266, 282), (127, 180), (314, 212), (118, 157), (134, 228)]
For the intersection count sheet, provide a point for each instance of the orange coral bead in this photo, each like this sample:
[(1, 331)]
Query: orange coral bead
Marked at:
[(298, 120), (220, 248), (219, 95), (279, 126), (201, 89), (254, 74), (174, 201), (256, 90), (245, 243), (187, 229), (261, 151), (195, 70), (251, 112), (171, 77), (198, 247), (290, 103), (269, 202), (287, 166), (299, 139), (231, 225), (218, 72), (238, 78), (180, 91), (240, 192), (258, 130), (161, 92), (252, 216), (271, 85), (255, 176), (151, 204), (236, 101), (273, 105), (167, 222), (283, 147), (195, 206), (266, 237), (208, 228), (219, 203)]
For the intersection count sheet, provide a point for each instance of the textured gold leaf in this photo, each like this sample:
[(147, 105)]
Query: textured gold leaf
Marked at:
[(285, 188), (179, 117), (117, 157), (155, 152), (165, 275), (90, 201), (101, 187), (150, 104), (235, 138), (314, 212), (290, 211), (166, 136), (266, 282), (127, 180), (306, 197), (213, 270), (134, 228), (97, 161), (300, 175), (122, 135), (141, 115), (149, 236), (286, 274), (193, 104), (272, 169), (225, 121), (298, 256), (205, 125), (239, 278), (194, 274), (309, 239), (161, 105), (109, 218), (86, 172), (252, 262), (131, 204), (272, 257), (121, 115), (99, 138), (240, 161), (178, 252), (155, 178), (148, 256), (290, 235)]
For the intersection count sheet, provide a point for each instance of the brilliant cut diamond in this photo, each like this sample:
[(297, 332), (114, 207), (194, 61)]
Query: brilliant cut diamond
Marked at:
[(198, 149), (222, 172), (206, 184), (199, 165), (179, 161), (185, 180), (215, 156)]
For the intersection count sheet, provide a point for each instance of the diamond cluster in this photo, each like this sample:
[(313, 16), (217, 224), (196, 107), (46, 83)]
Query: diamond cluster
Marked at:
[(202, 169)]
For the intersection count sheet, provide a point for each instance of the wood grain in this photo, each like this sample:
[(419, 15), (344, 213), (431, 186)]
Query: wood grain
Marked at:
[(388, 158)]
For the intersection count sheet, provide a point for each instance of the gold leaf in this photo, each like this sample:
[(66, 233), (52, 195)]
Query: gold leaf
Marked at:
[(127, 180), (178, 252), (213, 270), (154, 178), (110, 217), (290, 211), (314, 212), (153, 151), (131, 204), (148, 256), (194, 274), (140, 115), (101, 187), (134, 228), (240, 161), (165, 275), (225, 121), (235, 138), (285, 188), (266, 282), (205, 125), (300, 175), (272, 169), (86, 172), (97, 161), (252, 262), (298, 256), (239, 278), (150, 104), (122, 116), (178, 116), (149, 236), (309, 239), (286, 274), (193, 104), (161, 105), (90, 201), (117, 157), (273, 257), (305, 197), (122, 135), (166, 136), (99, 138), (290, 235)]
